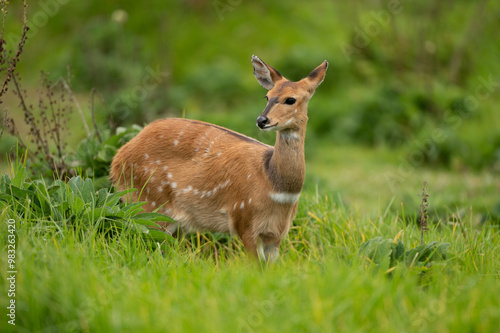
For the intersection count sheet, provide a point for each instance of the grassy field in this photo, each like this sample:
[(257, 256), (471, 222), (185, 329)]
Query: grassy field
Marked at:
[(80, 280), (399, 72)]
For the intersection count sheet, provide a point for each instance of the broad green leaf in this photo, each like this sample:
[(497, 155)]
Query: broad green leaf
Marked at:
[(113, 199), (5, 184), (88, 192), (153, 217), (134, 208), (20, 177), (102, 195), (21, 193)]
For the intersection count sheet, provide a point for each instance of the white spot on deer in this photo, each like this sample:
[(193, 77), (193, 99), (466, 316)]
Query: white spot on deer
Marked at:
[(295, 111), (209, 193), (289, 121), (203, 194), (219, 153), (167, 211), (176, 142), (146, 170), (147, 190), (135, 177), (146, 156), (195, 191), (158, 162), (187, 189), (249, 201), (160, 189), (173, 185), (242, 205), (165, 167), (214, 190), (153, 204), (285, 197), (226, 183), (249, 175), (169, 175), (234, 207)]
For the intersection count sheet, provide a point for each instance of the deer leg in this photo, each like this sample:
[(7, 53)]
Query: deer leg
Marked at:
[(249, 242)]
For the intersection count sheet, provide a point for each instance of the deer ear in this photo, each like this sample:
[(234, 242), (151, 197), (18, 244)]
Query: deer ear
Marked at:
[(317, 76), (265, 74)]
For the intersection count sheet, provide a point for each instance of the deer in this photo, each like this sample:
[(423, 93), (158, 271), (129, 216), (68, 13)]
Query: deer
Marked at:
[(210, 178)]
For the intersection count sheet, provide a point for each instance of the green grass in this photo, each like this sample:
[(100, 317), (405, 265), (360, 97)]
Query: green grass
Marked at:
[(68, 280)]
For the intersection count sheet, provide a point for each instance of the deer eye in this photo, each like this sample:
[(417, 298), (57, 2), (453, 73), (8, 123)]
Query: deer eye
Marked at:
[(290, 101)]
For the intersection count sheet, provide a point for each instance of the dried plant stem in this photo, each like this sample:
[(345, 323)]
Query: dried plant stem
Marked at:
[(78, 107), (12, 63), (4, 122), (92, 92), (423, 212), (30, 119)]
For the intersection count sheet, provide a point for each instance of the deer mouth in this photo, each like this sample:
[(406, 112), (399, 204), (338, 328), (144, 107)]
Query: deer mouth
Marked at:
[(268, 127)]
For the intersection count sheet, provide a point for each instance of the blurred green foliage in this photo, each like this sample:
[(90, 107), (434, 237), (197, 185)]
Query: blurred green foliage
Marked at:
[(399, 70)]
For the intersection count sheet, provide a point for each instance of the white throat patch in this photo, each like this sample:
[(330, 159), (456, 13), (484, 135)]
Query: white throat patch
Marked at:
[(285, 197)]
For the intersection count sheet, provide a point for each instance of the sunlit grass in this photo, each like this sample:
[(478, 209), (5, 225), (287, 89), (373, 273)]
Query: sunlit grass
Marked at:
[(67, 281)]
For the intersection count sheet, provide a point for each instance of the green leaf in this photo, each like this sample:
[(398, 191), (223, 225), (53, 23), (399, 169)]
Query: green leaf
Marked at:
[(76, 185), (20, 177), (113, 199), (88, 192), (157, 235), (154, 217), (398, 251), (102, 195), (426, 253), (378, 250), (21, 193), (134, 208), (5, 184)]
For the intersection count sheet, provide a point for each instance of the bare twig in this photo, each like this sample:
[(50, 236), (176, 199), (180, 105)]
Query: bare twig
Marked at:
[(4, 123), (103, 101), (12, 63), (92, 92), (30, 120), (78, 107)]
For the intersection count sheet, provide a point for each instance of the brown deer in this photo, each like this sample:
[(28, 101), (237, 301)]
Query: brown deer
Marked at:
[(209, 178)]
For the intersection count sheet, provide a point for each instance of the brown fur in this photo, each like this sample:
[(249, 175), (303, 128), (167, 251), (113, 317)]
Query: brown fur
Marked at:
[(209, 178)]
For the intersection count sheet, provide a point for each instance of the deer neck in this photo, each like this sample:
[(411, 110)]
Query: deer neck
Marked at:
[(286, 162)]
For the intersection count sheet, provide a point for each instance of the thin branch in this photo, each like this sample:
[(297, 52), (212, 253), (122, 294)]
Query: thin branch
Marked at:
[(15, 60), (92, 92), (4, 123), (78, 108), (103, 101)]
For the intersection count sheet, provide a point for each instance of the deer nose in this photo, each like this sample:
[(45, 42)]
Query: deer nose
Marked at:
[(262, 121)]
